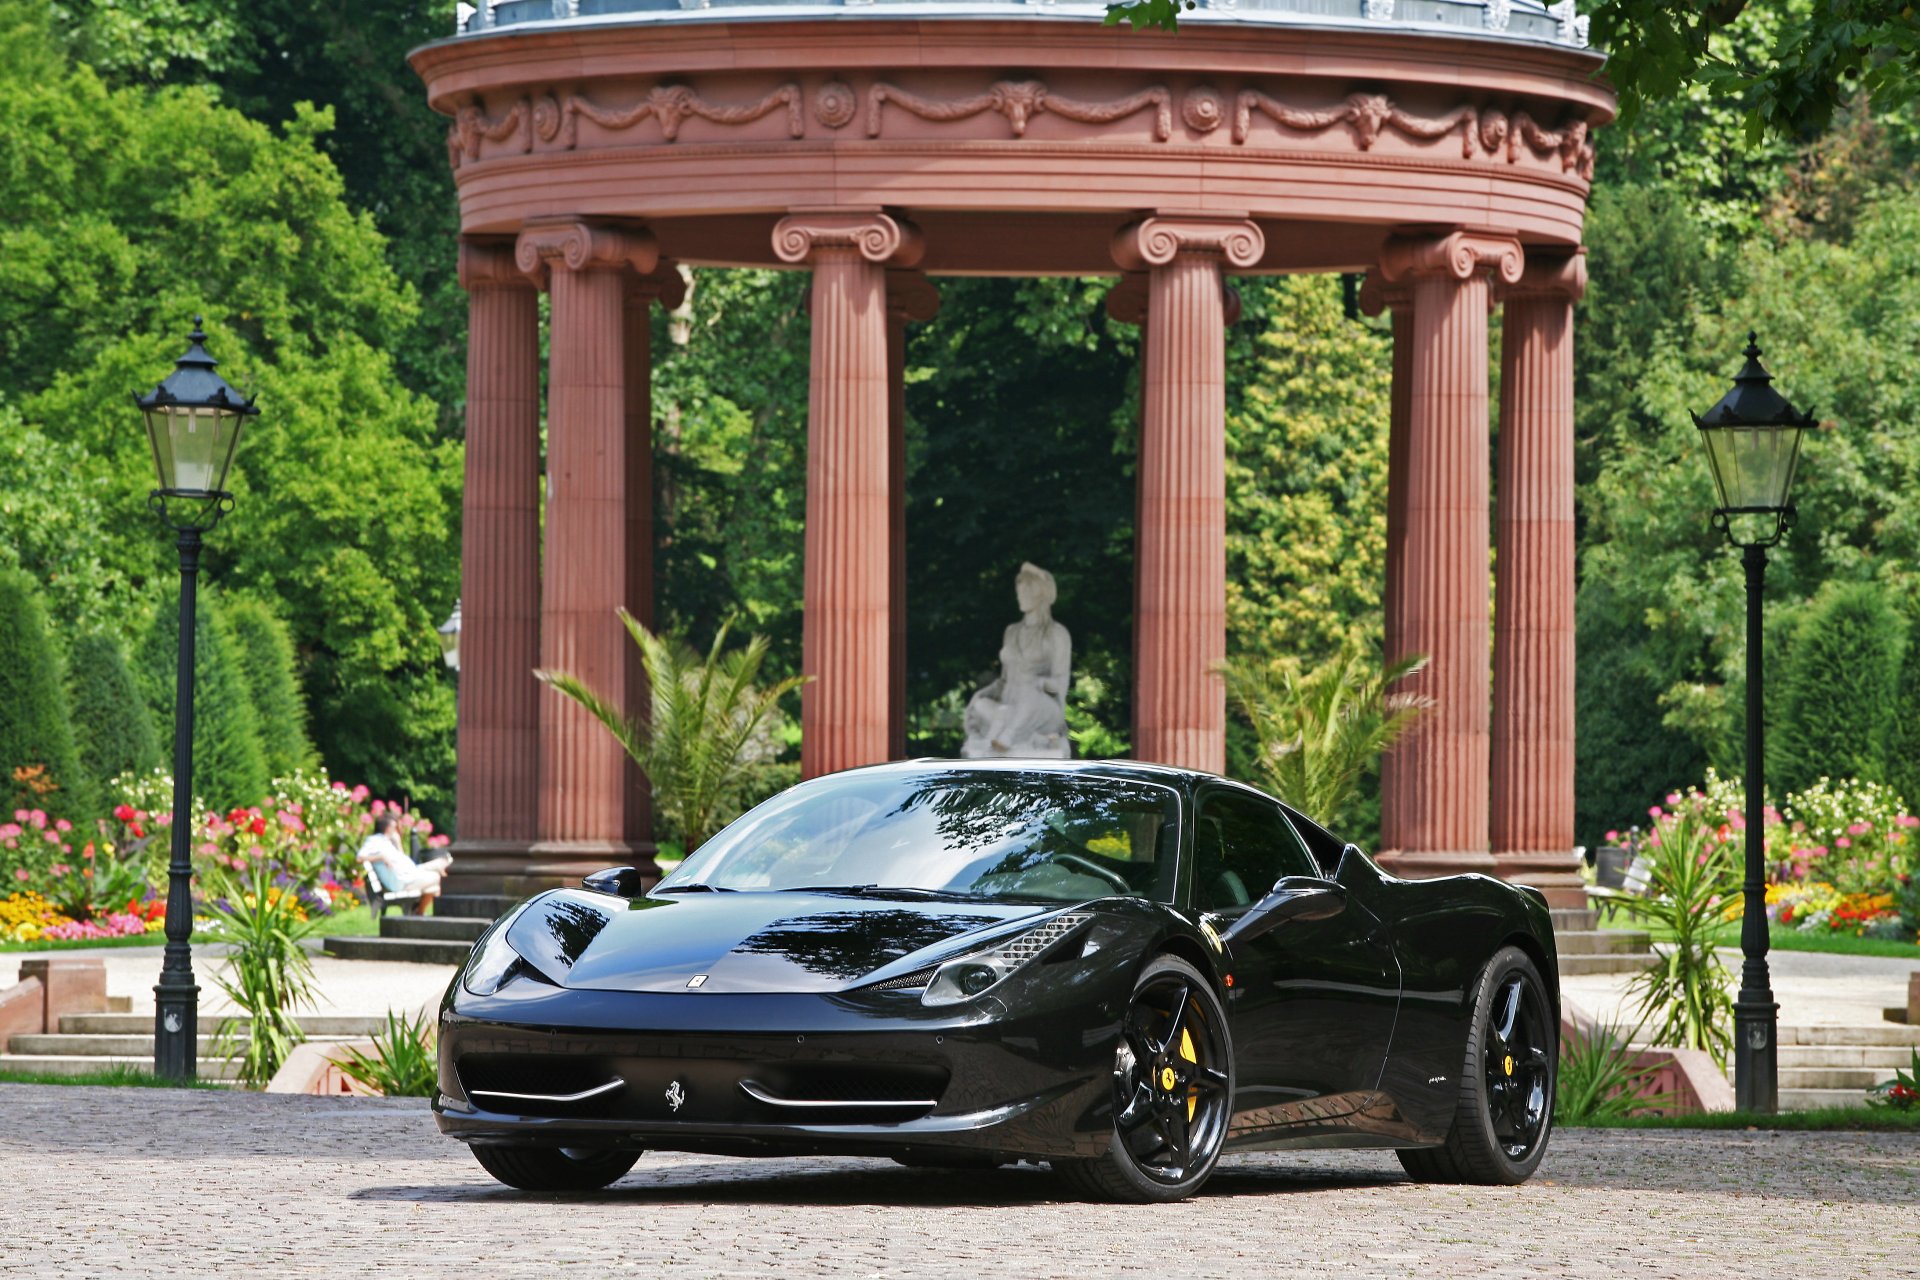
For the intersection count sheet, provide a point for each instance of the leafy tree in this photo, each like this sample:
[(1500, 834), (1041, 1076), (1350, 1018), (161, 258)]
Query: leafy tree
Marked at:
[(229, 765), (112, 728), (1321, 730), (710, 728), (53, 503), (39, 767), (1841, 679), (264, 649), (1903, 738)]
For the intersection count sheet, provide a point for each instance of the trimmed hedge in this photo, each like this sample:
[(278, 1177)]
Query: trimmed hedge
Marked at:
[(113, 730), (1840, 679), (35, 728), (264, 647), (229, 765)]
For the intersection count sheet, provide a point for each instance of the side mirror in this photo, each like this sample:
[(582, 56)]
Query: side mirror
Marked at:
[(1291, 898), (621, 882)]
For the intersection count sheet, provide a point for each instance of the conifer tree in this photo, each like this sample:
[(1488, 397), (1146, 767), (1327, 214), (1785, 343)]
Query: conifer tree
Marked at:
[(264, 649), (1841, 677), (113, 730), (39, 768), (229, 766)]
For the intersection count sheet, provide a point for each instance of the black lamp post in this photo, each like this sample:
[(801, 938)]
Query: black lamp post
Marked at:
[(1753, 445), (193, 424), (449, 634)]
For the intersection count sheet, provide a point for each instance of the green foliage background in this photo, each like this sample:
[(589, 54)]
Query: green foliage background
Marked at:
[(34, 732)]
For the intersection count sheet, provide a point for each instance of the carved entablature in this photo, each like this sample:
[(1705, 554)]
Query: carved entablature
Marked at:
[(1561, 276), (550, 120), (572, 245), (1376, 295), (489, 264), (878, 237), (1458, 255)]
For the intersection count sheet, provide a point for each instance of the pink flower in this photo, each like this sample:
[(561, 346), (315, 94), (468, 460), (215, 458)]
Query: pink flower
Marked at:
[(1858, 829), (1613, 837), (20, 874), (439, 842), (339, 786), (59, 868), (1907, 820), (379, 807), (9, 830), (61, 824), (1673, 797), (1844, 843), (38, 817), (360, 793), (19, 815), (1656, 813)]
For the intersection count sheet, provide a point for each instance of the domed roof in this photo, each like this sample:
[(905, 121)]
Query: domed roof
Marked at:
[(1508, 20)]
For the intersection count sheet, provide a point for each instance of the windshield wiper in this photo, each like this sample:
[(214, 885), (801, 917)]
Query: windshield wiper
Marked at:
[(696, 888), (877, 891)]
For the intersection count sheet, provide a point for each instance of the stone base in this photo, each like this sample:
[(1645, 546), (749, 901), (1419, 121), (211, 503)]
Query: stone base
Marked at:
[(515, 869), (1557, 875), (1428, 864)]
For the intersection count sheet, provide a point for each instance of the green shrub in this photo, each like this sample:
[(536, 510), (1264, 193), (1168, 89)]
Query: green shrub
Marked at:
[(36, 733), (1903, 739), (1840, 680), (264, 647), (229, 767), (1685, 994), (268, 974), (113, 730), (403, 1063)]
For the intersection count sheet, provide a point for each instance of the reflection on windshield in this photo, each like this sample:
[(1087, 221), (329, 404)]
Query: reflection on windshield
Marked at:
[(983, 834), (846, 944)]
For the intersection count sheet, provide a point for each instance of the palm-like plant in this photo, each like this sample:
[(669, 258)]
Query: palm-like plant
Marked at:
[(1318, 731), (1685, 995), (268, 974), (709, 726)]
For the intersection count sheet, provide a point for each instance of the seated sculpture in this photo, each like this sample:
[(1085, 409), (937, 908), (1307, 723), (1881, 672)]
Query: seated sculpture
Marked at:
[(1024, 712)]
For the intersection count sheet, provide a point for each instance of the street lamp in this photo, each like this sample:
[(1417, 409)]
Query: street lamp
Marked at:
[(193, 423), (1753, 446), (449, 633)]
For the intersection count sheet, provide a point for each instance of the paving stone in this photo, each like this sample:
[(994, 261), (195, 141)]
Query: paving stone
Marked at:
[(140, 1182)]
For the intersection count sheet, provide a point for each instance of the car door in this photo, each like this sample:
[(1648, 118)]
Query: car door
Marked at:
[(1312, 998)]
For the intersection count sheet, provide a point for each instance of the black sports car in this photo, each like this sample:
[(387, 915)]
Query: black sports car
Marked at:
[(1121, 970)]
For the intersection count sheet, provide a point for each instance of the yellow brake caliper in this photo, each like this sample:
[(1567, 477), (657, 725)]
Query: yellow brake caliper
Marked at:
[(1193, 1089)]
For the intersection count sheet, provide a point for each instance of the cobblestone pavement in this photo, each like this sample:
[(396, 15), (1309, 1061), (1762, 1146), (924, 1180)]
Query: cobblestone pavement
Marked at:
[(110, 1182)]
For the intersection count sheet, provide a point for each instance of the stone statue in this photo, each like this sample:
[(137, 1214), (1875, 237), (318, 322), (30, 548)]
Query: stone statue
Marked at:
[(1024, 712)]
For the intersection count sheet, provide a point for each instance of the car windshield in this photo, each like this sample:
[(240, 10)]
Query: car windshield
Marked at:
[(967, 833)]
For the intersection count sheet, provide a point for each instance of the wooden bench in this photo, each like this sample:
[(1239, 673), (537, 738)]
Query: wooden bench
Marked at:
[(1619, 875), (379, 897)]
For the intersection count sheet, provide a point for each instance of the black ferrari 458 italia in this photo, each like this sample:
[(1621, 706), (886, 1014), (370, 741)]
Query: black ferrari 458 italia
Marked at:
[(1121, 970)]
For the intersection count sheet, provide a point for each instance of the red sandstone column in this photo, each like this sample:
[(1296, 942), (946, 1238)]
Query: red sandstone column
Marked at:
[(499, 721), (846, 642), (1375, 297), (663, 283), (1532, 782), (582, 768), (1127, 303), (1180, 713), (911, 299), (1434, 784)]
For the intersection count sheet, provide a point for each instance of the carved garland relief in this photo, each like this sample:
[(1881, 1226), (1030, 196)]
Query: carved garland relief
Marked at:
[(1487, 131)]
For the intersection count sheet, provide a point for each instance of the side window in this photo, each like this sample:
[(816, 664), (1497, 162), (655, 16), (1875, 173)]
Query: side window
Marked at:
[(1241, 846)]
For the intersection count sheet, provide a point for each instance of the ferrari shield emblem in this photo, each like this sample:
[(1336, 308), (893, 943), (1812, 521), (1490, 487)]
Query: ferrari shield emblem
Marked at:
[(676, 1096)]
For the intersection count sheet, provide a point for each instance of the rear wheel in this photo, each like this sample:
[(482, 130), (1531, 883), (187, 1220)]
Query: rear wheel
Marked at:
[(554, 1168), (1173, 1091), (1505, 1109)]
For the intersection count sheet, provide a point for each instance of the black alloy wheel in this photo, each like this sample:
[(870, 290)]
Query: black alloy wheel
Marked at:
[(555, 1168), (1173, 1092), (1505, 1109)]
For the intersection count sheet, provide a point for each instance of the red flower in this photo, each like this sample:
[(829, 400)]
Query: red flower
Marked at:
[(258, 826), (123, 812), (137, 832)]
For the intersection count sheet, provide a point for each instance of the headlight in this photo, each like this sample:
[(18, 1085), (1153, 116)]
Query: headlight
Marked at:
[(493, 962), (978, 972)]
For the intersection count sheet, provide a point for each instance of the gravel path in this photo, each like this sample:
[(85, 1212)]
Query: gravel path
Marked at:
[(113, 1182)]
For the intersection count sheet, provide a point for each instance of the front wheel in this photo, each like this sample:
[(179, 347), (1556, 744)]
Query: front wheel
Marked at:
[(555, 1168), (1173, 1092), (1505, 1108)]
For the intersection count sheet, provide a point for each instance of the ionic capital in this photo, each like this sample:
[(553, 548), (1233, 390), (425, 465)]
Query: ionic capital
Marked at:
[(911, 297), (1376, 295), (1561, 276), (1127, 301), (878, 237), (574, 245), (664, 283), (1459, 255), (489, 264), (1157, 241)]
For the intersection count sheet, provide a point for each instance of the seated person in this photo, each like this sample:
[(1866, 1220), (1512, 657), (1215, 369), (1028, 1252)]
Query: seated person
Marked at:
[(396, 871)]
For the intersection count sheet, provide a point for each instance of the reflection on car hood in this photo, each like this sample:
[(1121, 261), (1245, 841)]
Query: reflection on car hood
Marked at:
[(736, 942)]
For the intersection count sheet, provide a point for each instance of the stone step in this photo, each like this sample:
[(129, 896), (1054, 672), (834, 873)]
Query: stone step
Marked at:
[(444, 928), (1577, 965), (482, 906), (1810, 1099), (1877, 1034), (415, 950), (111, 1046), (70, 1065), (1574, 920), (1859, 1079), (1602, 942), (318, 1025), (1885, 1058)]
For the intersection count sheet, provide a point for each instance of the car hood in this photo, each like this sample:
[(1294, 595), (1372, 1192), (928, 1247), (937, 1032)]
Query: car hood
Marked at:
[(738, 942)]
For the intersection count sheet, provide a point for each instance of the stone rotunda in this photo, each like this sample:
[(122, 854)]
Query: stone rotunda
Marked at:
[(1443, 148)]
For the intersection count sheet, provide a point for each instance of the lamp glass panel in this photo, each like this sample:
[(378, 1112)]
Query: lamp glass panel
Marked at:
[(1753, 466), (192, 446)]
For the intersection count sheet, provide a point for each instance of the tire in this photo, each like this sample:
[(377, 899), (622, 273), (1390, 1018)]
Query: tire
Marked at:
[(1504, 1114), (554, 1168), (1173, 1092)]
